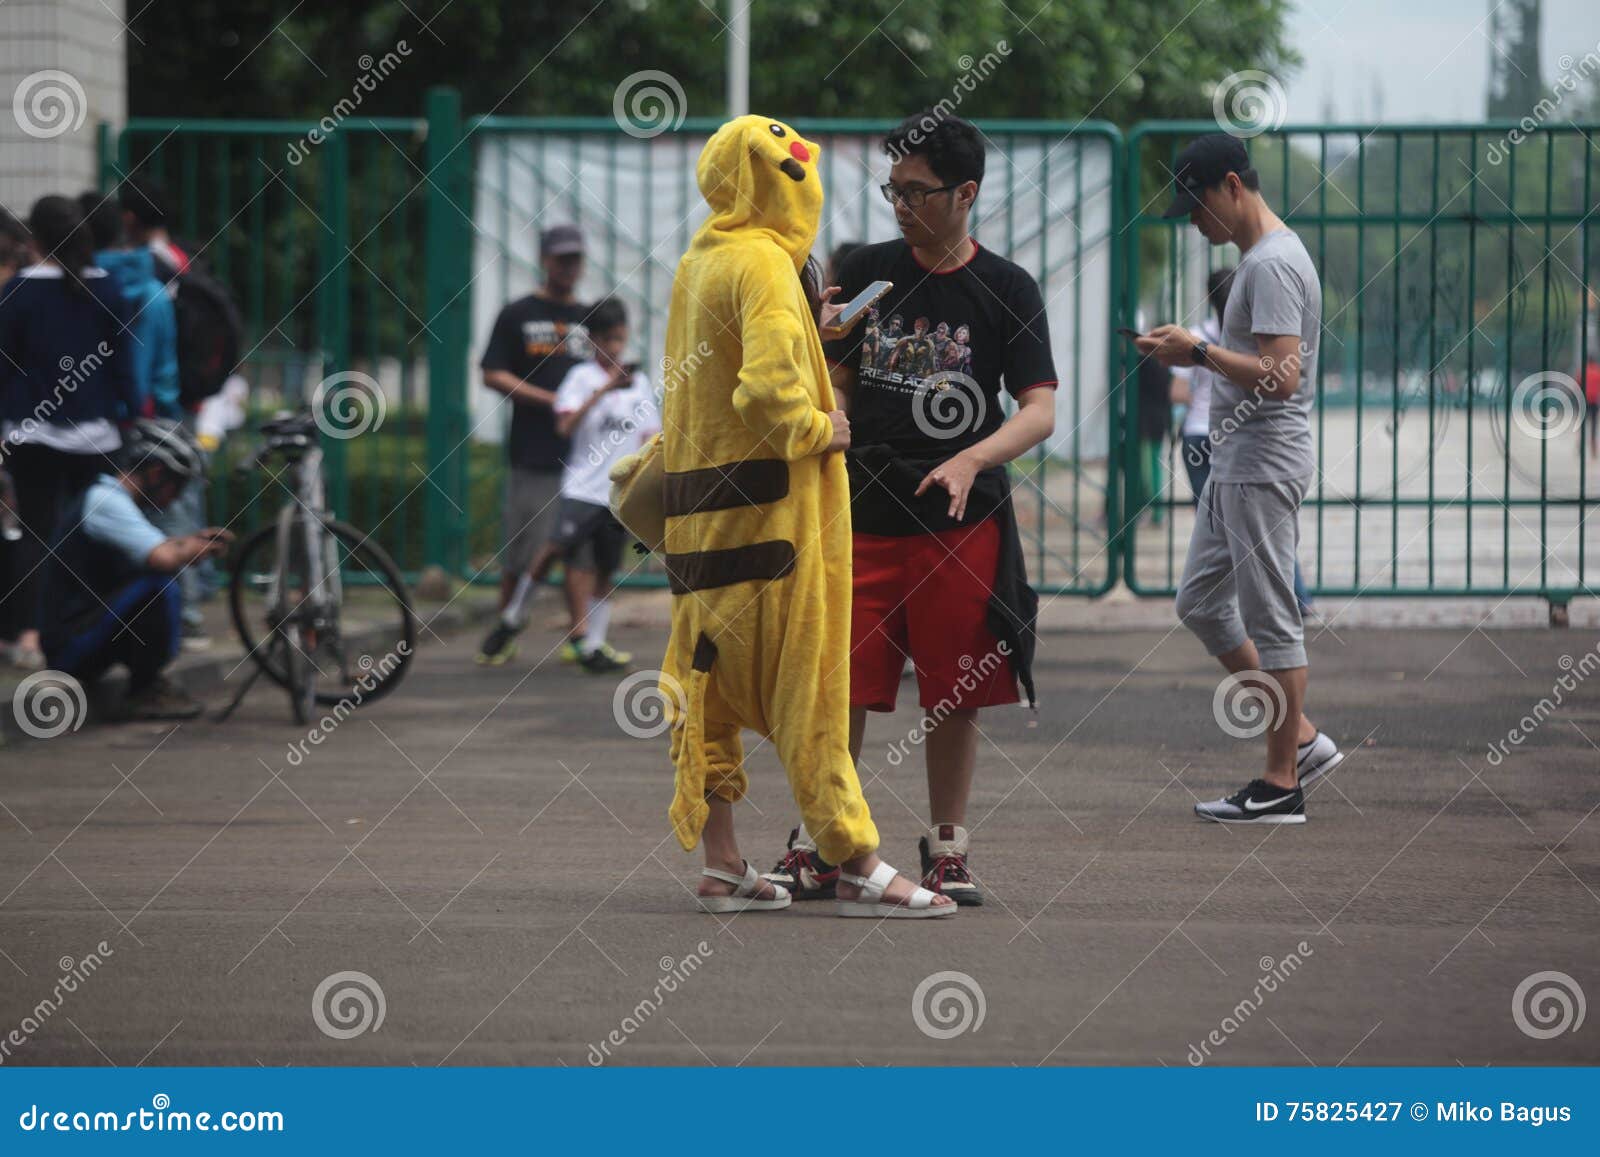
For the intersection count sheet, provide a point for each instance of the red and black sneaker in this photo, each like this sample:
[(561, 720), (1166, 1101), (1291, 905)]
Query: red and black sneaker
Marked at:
[(804, 873), (944, 865)]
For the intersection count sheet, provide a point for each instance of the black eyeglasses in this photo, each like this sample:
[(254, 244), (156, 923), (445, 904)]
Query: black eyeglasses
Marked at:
[(913, 198)]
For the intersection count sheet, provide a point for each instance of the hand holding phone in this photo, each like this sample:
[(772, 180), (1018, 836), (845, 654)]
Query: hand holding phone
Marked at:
[(858, 305), (855, 309)]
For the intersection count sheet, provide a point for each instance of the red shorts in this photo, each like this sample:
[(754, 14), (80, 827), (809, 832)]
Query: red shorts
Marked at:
[(926, 596)]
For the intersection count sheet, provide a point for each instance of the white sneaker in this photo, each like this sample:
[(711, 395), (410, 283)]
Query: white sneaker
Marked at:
[(1317, 759)]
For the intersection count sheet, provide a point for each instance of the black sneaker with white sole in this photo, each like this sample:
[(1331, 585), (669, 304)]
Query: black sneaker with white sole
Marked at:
[(1259, 802), (943, 852), (1317, 758)]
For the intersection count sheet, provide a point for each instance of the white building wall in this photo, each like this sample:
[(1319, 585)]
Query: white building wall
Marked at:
[(63, 70)]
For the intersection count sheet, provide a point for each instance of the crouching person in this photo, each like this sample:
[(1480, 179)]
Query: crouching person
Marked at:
[(109, 592)]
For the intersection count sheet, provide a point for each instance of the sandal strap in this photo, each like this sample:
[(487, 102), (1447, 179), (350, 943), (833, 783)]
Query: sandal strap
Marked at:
[(873, 886), (746, 885)]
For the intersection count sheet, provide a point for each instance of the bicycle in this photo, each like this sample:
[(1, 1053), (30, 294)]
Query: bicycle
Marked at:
[(288, 589)]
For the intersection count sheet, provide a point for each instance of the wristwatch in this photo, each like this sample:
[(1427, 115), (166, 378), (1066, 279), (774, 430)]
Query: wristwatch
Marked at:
[(1198, 354)]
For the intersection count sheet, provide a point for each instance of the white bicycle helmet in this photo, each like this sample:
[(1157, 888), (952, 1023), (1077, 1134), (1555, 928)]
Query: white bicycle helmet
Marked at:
[(163, 441)]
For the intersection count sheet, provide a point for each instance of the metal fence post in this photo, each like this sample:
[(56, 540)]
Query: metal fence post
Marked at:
[(105, 136), (333, 296), (449, 311)]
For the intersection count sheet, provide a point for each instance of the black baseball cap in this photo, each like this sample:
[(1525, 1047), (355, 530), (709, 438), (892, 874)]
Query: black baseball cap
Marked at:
[(1203, 164), (560, 240)]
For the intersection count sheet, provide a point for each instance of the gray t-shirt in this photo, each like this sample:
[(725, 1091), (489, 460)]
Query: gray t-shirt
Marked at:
[(1275, 292)]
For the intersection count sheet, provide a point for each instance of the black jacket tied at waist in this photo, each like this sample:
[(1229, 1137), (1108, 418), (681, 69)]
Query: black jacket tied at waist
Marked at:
[(883, 501)]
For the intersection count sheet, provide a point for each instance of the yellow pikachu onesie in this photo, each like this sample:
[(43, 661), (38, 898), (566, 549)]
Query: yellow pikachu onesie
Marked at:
[(758, 513)]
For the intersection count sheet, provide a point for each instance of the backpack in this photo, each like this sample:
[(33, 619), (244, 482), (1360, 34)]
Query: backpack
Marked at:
[(210, 335)]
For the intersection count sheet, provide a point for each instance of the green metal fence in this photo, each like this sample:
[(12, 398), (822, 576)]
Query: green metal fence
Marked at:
[(1048, 203), (1458, 269), (1457, 264), (330, 243)]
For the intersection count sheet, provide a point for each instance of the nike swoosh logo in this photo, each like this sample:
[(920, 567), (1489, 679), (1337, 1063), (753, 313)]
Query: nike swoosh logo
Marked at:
[(1251, 805)]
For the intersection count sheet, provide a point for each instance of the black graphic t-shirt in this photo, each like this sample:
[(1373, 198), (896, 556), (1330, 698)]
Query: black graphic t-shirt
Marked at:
[(538, 341), (931, 359)]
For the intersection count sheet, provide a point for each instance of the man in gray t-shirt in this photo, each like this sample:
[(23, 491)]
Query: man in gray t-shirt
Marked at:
[(1237, 593), (1275, 291)]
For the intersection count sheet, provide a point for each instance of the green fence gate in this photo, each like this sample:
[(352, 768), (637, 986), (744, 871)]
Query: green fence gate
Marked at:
[(1049, 203), (340, 249), (1458, 267), (1456, 260)]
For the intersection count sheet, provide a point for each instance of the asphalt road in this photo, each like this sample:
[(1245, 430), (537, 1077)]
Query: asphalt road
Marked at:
[(489, 848)]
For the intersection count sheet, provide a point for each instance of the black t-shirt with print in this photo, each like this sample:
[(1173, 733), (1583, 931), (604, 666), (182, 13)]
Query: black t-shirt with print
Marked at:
[(931, 359), (538, 341)]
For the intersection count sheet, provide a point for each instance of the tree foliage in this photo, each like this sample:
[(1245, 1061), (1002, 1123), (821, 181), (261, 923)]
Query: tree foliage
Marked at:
[(1119, 61)]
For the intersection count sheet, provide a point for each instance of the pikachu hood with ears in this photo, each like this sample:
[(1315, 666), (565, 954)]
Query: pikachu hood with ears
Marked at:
[(758, 175), (757, 506)]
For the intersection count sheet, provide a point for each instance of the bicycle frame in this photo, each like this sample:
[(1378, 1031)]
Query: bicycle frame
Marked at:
[(304, 516)]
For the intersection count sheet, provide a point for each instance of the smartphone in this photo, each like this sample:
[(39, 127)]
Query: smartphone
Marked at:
[(1130, 334), (630, 368), (861, 302)]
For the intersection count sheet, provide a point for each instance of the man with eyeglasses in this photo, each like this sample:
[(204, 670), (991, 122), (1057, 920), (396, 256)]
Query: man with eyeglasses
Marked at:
[(938, 567)]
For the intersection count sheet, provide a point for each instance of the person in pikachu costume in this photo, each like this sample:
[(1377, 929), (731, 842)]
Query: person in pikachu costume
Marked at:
[(757, 544)]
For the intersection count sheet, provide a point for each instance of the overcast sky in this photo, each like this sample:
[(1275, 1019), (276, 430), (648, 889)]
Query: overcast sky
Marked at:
[(1429, 58)]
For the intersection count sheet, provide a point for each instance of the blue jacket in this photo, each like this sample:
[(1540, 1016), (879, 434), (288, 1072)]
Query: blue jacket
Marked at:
[(65, 358), (154, 328)]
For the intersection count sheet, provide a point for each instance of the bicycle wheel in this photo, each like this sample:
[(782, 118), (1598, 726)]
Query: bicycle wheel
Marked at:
[(360, 644)]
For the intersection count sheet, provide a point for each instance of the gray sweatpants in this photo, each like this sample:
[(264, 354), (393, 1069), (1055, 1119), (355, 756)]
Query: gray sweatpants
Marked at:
[(1238, 582)]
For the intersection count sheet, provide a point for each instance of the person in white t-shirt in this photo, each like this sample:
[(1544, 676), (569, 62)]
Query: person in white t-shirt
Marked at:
[(1191, 386), (608, 409)]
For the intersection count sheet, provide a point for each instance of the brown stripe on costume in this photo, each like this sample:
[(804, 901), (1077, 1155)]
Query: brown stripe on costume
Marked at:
[(702, 570), (754, 482)]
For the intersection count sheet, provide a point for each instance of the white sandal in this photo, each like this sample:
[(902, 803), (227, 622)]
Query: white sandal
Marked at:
[(872, 903), (746, 895)]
